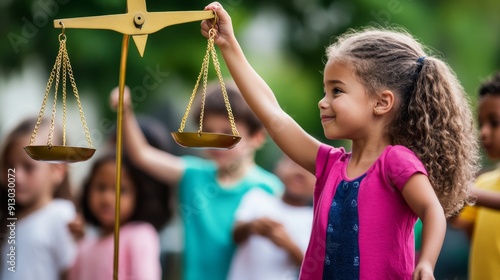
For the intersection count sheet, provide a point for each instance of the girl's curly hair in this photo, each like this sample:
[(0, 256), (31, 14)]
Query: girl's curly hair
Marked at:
[(433, 116)]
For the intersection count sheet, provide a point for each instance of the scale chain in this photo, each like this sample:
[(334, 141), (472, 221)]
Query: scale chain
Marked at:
[(65, 62), (56, 86), (221, 81), (62, 61), (206, 63), (204, 73)]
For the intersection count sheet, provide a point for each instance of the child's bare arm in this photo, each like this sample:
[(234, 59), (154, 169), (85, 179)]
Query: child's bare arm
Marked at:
[(157, 163), (422, 199), (287, 134), (486, 198), (77, 228), (272, 230), (279, 236)]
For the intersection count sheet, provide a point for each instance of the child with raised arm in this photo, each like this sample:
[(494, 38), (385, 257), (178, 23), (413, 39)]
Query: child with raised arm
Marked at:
[(414, 151), (210, 189)]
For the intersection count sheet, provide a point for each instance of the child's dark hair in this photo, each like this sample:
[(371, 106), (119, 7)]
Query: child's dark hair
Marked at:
[(433, 116), (491, 86), (215, 105), (151, 197)]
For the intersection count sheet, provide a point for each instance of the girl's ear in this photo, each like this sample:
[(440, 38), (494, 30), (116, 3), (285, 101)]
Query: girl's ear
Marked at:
[(384, 103)]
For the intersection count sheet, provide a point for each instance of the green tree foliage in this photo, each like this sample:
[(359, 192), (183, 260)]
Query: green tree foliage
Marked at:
[(465, 33)]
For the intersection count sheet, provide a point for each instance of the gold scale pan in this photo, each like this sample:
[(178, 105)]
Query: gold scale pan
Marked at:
[(202, 139), (50, 152)]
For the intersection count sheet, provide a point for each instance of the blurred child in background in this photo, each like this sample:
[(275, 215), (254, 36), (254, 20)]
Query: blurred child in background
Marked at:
[(43, 246), (272, 233), (158, 135), (481, 223), (209, 189), (141, 215)]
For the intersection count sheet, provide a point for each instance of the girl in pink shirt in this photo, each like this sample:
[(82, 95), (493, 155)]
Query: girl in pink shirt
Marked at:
[(414, 151), (142, 213)]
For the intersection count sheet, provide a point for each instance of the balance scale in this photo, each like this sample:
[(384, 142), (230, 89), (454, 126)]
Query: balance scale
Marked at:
[(138, 23)]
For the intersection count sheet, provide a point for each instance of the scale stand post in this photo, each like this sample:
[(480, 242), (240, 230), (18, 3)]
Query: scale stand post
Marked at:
[(138, 23)]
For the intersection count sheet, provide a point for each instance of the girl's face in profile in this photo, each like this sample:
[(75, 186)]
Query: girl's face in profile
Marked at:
[(489, 125), (346, 109), (102, 195)]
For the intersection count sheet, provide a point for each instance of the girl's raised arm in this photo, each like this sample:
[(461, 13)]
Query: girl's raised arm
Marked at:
[(288, 135), (161, 165)]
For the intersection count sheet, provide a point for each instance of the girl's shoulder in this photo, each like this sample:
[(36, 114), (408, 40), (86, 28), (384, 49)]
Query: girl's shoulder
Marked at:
[(327, 157), (58, 210), (328, 154), (325, 149), (397, 150), (400, 155), (62, 205), (140, 237), (398, 164), (138, 228), (65, 209)]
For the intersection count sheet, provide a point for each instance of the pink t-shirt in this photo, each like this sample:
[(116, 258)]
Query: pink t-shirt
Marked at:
[(139, 255), (385, 237)]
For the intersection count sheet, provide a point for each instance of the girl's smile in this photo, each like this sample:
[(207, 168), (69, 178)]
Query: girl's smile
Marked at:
[(327, 118)]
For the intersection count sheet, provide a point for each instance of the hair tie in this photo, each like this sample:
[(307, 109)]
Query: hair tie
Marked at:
[(420, 64)]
